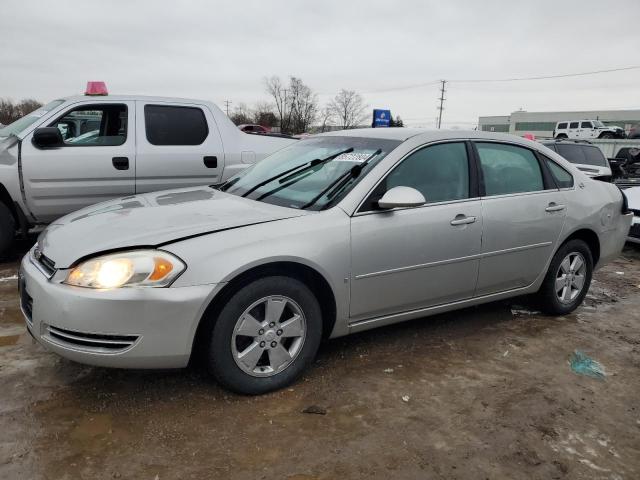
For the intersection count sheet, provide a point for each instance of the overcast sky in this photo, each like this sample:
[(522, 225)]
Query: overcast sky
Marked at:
[(223, 50)]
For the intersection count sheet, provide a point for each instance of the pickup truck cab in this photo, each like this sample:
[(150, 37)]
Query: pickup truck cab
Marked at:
[(82, 150)]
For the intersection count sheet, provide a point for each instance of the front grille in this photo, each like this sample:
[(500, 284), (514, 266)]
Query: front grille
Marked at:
[(26, 303), (98, 342)]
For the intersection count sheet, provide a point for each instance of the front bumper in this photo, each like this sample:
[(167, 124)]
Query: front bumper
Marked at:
[(126, 327)]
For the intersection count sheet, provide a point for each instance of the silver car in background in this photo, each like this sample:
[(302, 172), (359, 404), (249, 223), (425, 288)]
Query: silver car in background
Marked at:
[(335, 234)]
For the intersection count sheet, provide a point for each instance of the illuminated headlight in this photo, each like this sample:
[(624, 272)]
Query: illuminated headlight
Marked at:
[(136, 268)]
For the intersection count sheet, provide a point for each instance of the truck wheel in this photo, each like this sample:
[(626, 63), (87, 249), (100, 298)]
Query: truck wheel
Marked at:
[(561, 136), (265, 336), (606, 135), (7, 229), (567, 280)]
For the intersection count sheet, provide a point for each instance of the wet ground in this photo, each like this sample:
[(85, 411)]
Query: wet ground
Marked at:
[(484, 393)]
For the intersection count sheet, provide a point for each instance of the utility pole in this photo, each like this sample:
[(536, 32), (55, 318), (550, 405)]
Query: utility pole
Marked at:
[(442, 99), (226, 104)]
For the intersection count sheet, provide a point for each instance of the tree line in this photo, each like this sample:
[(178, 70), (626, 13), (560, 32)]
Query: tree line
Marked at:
[(11, 111), (294, 108)]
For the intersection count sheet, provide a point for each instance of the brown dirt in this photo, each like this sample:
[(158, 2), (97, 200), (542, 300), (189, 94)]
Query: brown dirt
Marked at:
[(481, 393)]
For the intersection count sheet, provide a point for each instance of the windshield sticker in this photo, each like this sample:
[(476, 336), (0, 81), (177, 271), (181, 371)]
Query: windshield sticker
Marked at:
[(352, 157)]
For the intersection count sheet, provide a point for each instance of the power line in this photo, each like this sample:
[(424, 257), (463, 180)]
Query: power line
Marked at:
[(226, 104), (511, 79)]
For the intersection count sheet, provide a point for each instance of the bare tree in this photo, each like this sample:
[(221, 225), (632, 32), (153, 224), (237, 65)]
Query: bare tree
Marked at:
[(278, 92), (241, 114), (348, 107), (10, 111), (263, 114), (304, 106), (326, 118)]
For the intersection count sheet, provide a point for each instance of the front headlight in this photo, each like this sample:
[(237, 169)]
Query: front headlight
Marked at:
[(135, 268)]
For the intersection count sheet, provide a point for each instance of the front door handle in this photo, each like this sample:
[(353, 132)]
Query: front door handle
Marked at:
[(120, 163), (554, 207), (210, 162), (462, 220)]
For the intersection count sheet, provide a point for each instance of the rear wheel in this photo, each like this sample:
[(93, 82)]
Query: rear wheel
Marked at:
[(561, 136), (568, 279), (7, 229), (265, 336)]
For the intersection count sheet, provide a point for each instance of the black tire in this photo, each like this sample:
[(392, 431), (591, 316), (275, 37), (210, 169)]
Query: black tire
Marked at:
[(560, 136), (7, 229), (548, 300), (606, 135), (220, 356)]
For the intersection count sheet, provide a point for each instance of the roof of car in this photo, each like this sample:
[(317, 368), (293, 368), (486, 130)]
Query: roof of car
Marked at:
[(77, 98), (402, 134)]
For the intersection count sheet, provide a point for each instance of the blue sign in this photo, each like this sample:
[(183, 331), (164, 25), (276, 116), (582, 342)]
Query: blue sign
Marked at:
[(381, 118)]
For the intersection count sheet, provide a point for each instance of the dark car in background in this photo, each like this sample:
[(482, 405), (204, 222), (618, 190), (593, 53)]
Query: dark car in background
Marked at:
[(585, 156)]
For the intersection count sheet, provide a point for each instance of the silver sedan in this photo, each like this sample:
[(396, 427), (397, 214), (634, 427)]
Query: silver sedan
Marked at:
[(335, 234)]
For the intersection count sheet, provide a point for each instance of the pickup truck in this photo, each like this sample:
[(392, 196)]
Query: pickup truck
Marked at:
[(81, 150)]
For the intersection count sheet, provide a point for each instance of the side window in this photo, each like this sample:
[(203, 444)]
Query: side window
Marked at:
[(172, 125), (509, 169), (439, 172), (562, 126), (586, 125), (563, 178), (574, 124), (94, 125)]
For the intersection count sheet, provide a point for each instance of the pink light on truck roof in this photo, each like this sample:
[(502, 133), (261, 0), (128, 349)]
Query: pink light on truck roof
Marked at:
[(96, 89)]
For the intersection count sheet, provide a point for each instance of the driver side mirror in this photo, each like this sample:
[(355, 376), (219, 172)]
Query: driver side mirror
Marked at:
[(401, 197), (47, 137)]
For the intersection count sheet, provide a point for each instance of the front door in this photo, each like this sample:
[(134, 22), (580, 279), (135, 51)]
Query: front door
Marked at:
[(411, 258), (523, 213), (95, 163), (178, 146)]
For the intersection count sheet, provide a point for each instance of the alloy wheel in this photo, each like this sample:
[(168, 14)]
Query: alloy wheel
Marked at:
[(570, 278), (268, 336)]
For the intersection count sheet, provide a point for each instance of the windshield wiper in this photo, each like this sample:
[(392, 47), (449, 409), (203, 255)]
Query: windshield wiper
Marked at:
[(339, 183), (292, 172)]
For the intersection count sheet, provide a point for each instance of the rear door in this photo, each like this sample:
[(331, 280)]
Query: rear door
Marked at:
[(96, 162), (523, 213), (574, 130), (178, 145)]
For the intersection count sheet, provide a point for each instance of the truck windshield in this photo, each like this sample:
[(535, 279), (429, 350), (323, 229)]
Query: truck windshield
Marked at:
[(19, 125), (598, 124), (304, 174)]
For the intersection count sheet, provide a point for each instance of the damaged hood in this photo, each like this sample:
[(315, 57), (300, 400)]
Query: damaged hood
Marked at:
[(151, 220)]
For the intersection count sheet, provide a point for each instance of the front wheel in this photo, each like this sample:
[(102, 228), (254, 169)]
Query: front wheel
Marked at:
[(568, 278), (265, 336), (606, 135)]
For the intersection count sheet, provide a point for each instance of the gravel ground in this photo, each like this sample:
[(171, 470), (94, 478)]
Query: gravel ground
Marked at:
[(483, 393)]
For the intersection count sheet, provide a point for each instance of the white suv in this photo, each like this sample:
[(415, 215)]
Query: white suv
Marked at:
[(586, 129)]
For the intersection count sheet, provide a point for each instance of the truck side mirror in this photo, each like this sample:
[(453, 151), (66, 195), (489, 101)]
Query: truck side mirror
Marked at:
[(47, 137)]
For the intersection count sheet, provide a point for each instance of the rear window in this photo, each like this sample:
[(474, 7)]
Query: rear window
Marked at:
[(574, 124), (594, 156), (562, 126), (171, 125)]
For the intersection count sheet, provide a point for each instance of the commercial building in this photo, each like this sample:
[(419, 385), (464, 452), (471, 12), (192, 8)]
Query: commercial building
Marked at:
[(541, 124)]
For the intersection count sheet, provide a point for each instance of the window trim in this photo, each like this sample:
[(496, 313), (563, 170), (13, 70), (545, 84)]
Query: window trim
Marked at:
[(192, 107), (474, 192), (87, 106), (548, 182)]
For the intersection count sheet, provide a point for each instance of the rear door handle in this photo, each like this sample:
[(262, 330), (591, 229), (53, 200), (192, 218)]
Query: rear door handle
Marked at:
[(120, 163), (554, 207), (210, 162), (462, 220)]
